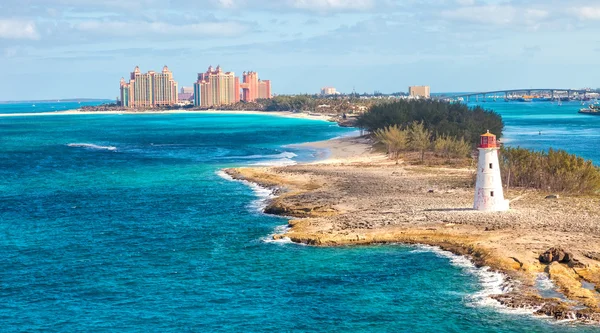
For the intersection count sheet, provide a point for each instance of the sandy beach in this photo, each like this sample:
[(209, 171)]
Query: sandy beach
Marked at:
[(358, 197), (286, 114)]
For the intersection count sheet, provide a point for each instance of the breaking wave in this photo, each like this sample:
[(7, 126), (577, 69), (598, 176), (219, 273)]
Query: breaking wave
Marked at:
[(91, 146), (491, 282), (263, 194)]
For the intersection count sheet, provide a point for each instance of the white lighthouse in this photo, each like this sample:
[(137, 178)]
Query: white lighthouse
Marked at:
[(489, 196)]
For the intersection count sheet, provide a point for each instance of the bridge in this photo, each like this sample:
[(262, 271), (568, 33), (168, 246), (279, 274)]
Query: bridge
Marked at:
[(528, 91)]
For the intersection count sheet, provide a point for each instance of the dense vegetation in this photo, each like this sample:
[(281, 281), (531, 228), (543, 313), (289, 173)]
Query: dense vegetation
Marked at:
[(310, 103), (555, 170), (418, 138), (440, 118)]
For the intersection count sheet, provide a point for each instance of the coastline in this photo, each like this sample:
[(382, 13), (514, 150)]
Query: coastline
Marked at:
[(287, 114), (359, 197)]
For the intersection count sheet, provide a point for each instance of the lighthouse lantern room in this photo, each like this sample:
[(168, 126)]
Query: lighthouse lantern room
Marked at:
[(489, 195)]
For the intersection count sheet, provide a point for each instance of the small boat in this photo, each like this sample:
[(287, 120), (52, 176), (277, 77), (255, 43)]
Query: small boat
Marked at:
[(593, 110)]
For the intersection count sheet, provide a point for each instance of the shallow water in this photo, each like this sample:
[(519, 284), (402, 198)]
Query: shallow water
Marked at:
[(148, 236)]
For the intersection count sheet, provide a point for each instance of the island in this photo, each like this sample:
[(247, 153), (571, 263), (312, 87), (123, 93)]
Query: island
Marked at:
[(362, 194)]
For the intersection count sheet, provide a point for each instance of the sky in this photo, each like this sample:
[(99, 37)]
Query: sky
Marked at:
[(81, 48)]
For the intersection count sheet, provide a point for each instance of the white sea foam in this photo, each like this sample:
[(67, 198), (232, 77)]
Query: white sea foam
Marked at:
[(279, 230), (225, 175), (547, 288), (263, 194), (543, 282), (285, 154), (491, 282), (91, 146), (283, 159)]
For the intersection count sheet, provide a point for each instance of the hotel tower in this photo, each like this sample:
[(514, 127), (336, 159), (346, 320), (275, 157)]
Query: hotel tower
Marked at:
[(147, 90), (216, 88)]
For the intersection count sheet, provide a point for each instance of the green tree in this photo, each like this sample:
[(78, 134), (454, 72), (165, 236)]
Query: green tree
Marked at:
[(443, 118), (394, 139), (419, 138)]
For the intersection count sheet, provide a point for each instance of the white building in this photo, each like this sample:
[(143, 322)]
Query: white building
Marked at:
[(489, 195), (327, 91), (419, 91)]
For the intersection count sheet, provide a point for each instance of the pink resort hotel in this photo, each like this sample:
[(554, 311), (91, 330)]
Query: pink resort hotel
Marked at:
[(216, 88), (148, 90), (213, 88)]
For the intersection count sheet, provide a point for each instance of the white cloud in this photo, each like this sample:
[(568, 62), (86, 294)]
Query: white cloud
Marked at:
[(227, 3), (310, 5), (465, 2), (18, 29), (497, 15), (321, 5), (141, 28), (587, 13)]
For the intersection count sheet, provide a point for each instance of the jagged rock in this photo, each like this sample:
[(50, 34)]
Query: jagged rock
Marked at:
[(592, 255), (553, 196), (518, 301), (557, 310), (555, 254)]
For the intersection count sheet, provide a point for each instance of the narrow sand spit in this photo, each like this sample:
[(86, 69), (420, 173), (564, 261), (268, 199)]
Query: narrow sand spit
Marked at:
[(287, 114), (358, 197)]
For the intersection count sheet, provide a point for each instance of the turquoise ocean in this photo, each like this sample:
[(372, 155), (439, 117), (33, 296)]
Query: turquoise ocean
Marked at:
[(123, 223)]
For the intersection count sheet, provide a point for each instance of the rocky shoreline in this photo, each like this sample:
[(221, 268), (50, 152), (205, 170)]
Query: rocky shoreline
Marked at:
[(359, 198)]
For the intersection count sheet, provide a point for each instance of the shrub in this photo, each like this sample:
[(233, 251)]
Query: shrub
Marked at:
[(450, 147), (555, 170), (419, 138), (394, 139)]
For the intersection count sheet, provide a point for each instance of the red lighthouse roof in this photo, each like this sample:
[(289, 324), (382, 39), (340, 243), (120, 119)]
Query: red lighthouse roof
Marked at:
[(488, 140)]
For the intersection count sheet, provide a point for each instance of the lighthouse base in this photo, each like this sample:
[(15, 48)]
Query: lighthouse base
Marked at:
[(484, 205)]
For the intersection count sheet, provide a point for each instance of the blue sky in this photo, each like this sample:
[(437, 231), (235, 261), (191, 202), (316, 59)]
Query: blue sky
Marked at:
[(81, 48)]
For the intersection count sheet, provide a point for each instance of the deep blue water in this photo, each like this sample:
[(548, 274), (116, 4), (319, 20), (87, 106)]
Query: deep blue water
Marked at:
[(45, 106), (115, 223)]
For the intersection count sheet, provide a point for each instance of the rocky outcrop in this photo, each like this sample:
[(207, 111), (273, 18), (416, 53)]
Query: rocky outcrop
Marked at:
[(562, 311), (555, 254), (281, 208), (359, 204), (551, 307)]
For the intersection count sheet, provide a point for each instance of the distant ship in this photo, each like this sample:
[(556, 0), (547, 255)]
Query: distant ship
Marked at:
[(593, 110), (525, 98), (541, 99)]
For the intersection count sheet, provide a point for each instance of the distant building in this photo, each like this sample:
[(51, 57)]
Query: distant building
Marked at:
[(253, 88), (147, 90), (186, 94), (326, 91), (419, 91), (216, 88), (264, 89)]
